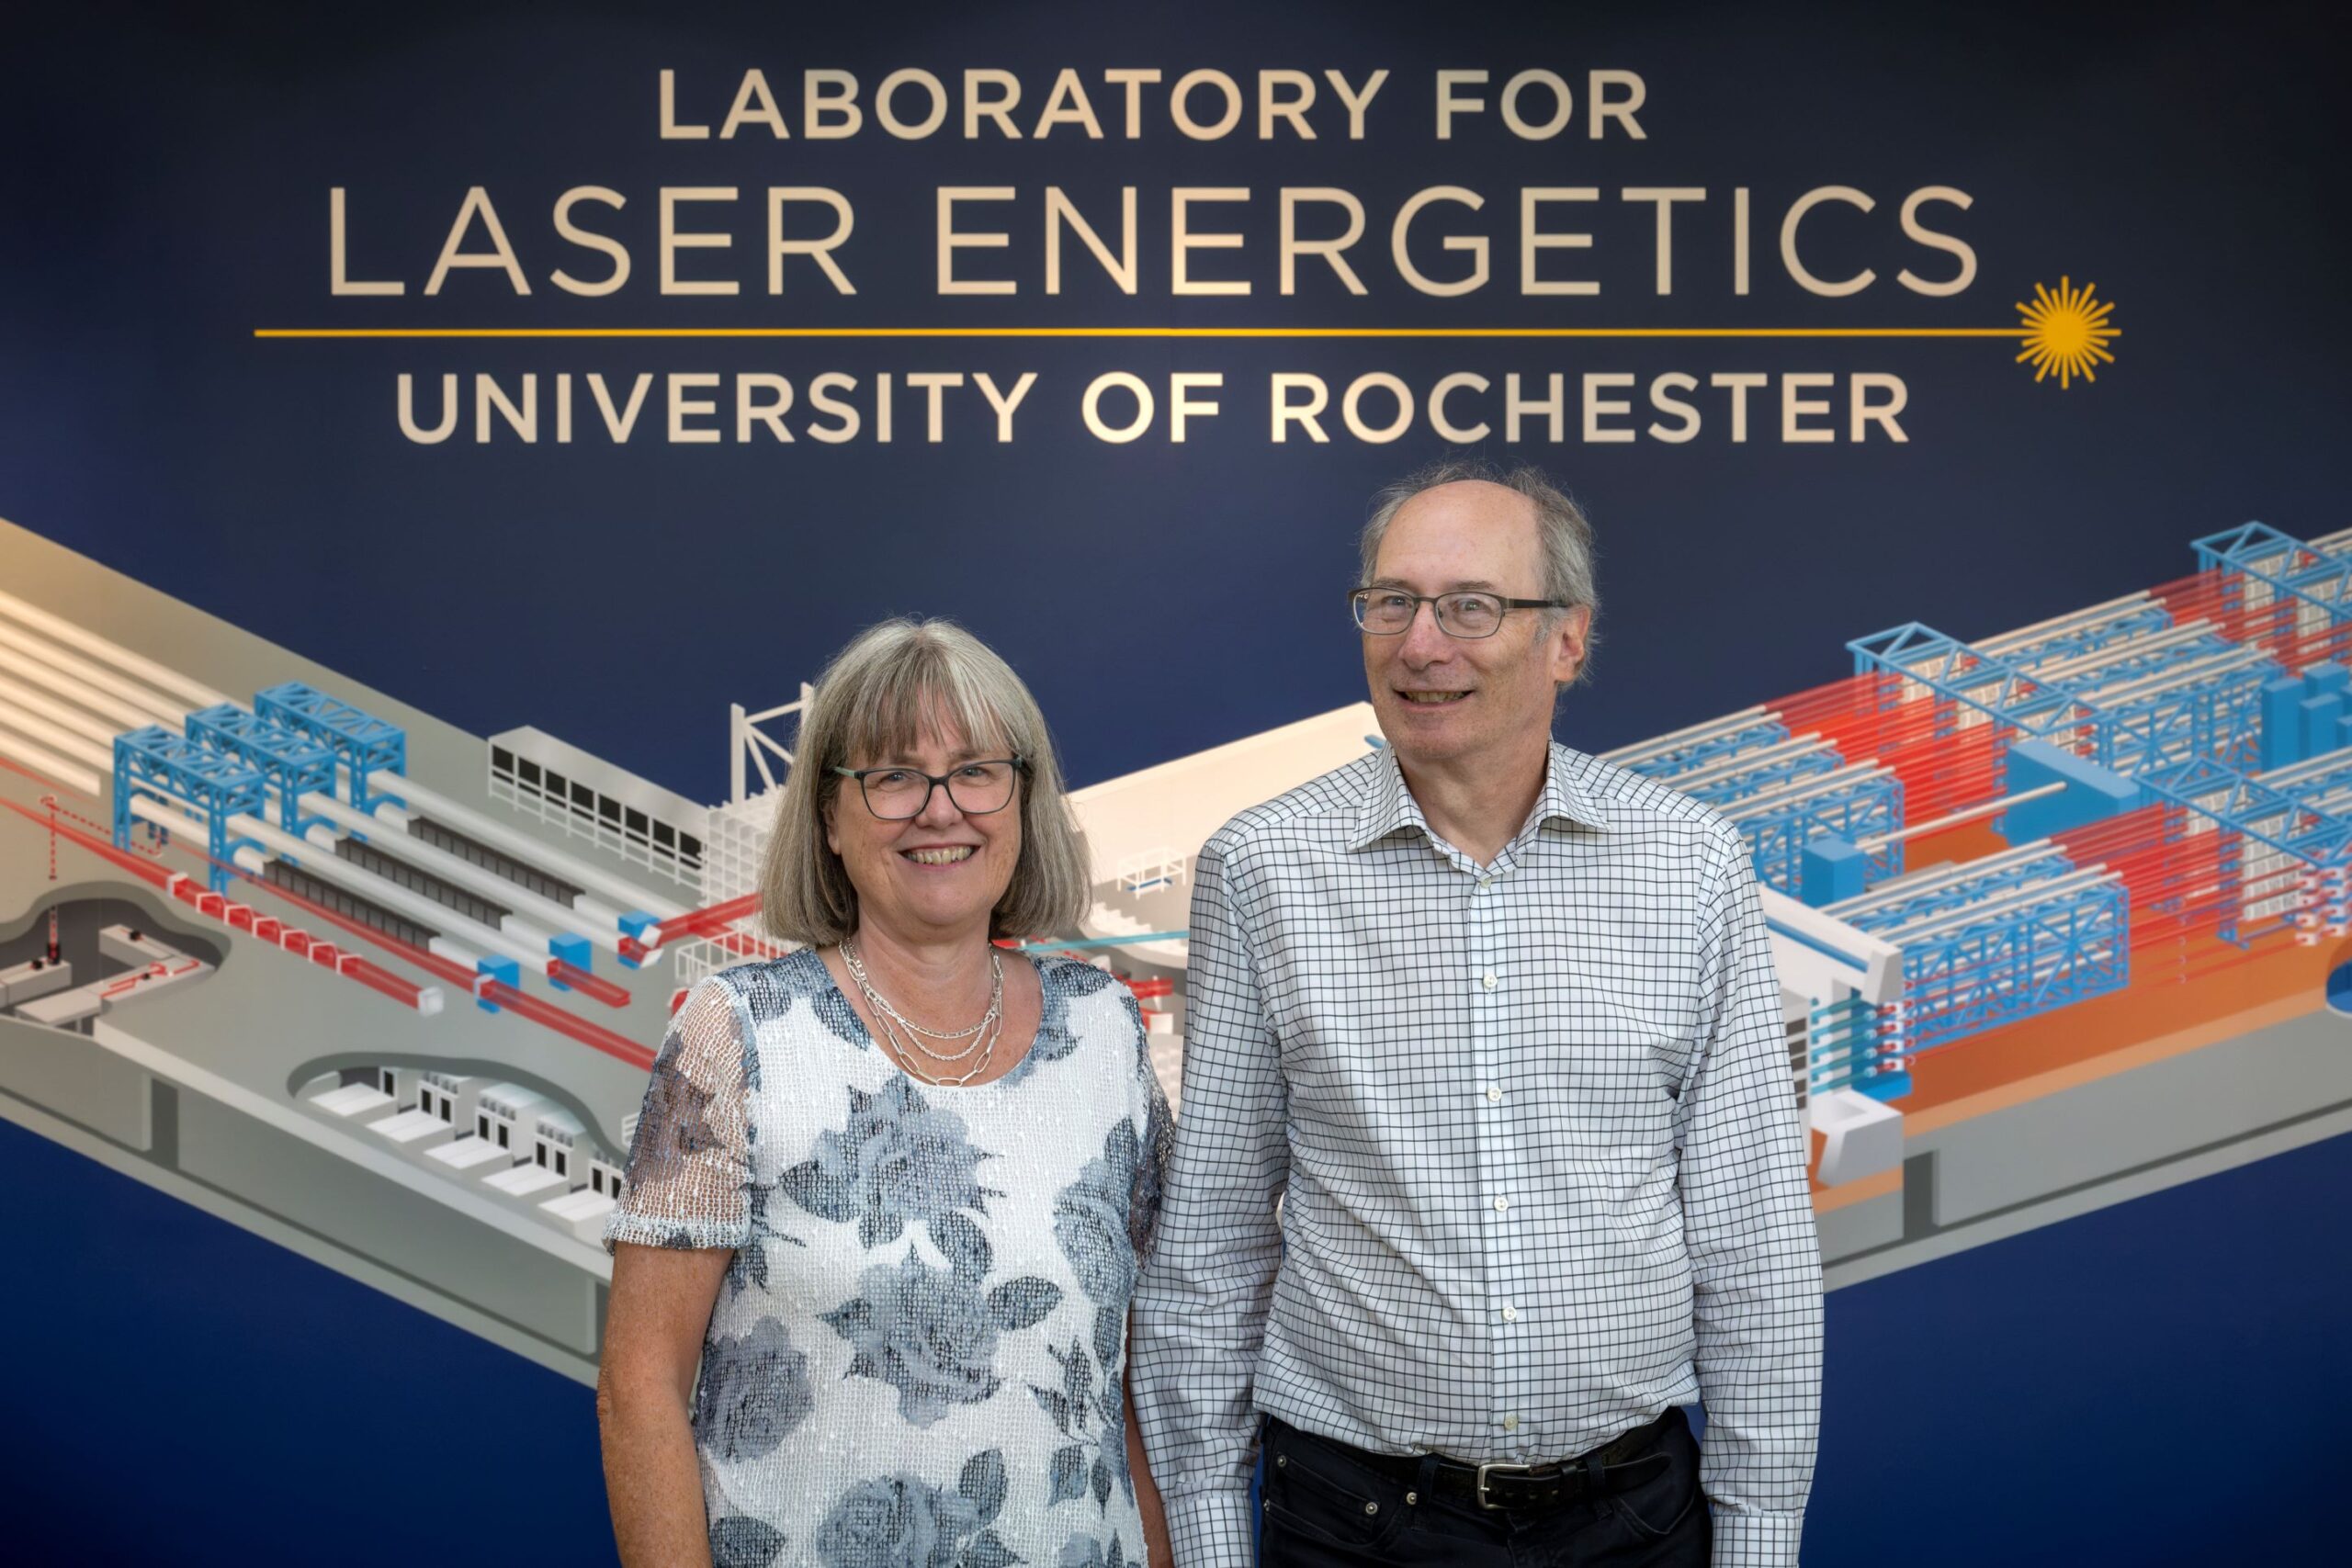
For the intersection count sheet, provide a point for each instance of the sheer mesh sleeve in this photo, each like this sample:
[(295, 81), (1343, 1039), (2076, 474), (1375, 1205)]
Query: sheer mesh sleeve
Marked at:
[(1159, 1140), (690, 1158)]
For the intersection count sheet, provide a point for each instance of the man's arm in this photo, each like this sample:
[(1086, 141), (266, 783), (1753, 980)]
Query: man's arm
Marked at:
[(1200, 1313), (1747, 1213)]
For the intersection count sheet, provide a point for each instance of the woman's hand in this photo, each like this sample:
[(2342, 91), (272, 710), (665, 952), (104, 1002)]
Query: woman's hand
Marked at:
[(658, 1311)]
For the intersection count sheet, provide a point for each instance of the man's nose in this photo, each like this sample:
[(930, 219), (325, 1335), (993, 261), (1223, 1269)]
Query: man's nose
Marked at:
[(1425, 642)]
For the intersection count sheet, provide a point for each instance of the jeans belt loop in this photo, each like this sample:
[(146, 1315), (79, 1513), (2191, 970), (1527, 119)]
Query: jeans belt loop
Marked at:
[(1489, 1467)]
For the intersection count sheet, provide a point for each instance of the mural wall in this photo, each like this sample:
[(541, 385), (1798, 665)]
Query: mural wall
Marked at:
[(435, 451)]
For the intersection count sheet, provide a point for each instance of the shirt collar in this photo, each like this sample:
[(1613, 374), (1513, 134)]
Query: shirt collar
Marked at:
[(1389, 807), (1565, 796)]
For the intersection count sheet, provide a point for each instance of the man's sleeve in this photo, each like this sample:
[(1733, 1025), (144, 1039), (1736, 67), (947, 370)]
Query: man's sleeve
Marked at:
[(1747, 1211), (1201, 1312)]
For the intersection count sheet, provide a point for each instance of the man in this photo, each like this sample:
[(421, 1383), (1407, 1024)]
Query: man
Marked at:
[(1497, 1024)]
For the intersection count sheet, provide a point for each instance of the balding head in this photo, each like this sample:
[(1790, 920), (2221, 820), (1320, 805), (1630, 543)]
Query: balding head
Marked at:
[(1564, 539)]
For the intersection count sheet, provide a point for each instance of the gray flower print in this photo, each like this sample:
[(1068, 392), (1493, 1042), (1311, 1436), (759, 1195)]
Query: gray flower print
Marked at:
[(1090, 1220), (753, 1391), (1061, 982), (903, 1521), (750, 1265), (898, 1159), (1085, 1552), (1092, 1414), (932, 1335), (738, 1541), (675, 1118), (751, 1040), (775, 985), (1151, 1169)]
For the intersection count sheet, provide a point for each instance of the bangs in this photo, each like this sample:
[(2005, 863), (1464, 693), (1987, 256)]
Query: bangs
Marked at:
[(921, 696)]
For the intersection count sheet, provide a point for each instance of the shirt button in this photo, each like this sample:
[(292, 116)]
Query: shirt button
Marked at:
[(1494, 1093), (1510, 1423), (1510, 1314), (1502, 1205), (1488, 981), (1485, 882)]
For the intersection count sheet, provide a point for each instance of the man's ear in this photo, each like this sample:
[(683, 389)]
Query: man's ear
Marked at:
[(1567, 643)]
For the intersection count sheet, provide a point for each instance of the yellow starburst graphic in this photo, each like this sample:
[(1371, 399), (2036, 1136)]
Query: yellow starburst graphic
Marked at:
[(2066, 332)]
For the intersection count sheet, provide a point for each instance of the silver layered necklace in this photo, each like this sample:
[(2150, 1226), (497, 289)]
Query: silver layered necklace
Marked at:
[(910, 1041)]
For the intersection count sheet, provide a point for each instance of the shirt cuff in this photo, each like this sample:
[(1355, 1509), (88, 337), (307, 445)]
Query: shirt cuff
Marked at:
[(1212, 1528), (1744, 1539)]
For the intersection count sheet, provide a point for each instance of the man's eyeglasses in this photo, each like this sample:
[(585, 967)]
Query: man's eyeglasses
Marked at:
[(975, 789), (1386, 612)]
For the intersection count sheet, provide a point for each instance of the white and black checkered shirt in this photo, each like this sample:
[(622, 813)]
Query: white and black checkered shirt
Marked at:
[(1536, 1141)]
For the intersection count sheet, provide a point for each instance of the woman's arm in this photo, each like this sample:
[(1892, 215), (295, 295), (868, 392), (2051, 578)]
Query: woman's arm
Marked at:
[(653, 1331), (1155, 1517)]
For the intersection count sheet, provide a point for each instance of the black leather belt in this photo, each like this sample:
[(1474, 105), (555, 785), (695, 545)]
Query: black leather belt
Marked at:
[(1607, 1469)]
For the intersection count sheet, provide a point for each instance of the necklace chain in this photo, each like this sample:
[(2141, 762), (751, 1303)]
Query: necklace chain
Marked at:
[(855, 963), (906, 1038)]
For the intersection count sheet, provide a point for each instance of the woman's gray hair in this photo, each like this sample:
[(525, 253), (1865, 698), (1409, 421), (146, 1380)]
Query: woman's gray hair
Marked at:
[(1562, 529), (895, 684)]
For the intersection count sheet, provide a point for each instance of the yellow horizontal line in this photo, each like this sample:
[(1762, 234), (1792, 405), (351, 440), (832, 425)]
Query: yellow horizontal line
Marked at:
[(2013, 334)]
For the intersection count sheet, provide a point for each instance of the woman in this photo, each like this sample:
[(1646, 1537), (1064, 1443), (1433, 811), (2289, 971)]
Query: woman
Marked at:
[(888, 1192)]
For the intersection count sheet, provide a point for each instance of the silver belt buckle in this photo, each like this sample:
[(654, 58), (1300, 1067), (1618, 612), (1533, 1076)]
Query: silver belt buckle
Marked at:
[(1489, 1466)]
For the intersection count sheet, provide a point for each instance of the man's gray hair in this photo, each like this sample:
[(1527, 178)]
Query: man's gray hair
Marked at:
[(894, 682), (1563, 532)]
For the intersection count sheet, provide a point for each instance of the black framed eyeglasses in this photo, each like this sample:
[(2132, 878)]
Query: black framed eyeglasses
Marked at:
[(975, 788), (1388, 612)]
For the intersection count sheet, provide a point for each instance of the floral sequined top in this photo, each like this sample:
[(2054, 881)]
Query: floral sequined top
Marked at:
[(916, 1358)]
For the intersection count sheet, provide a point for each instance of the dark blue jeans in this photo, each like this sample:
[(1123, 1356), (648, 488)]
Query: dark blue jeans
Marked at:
[(1325, 1510)]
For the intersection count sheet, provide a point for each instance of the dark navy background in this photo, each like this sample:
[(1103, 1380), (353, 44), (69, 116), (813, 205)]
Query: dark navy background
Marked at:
[(164, 193), (2157, 1383)]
